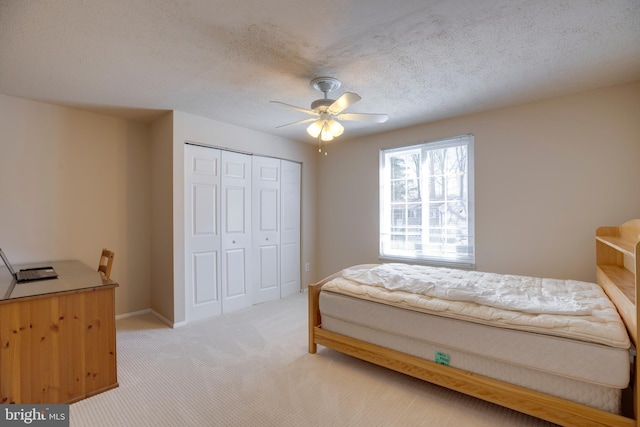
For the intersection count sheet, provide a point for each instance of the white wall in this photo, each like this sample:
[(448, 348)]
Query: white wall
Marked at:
[(187, 127), (547, 174), (71, 183)]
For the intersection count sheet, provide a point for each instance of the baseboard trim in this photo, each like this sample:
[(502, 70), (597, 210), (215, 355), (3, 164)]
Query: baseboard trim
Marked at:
[(133, 313), (157, 315), (167, 321)]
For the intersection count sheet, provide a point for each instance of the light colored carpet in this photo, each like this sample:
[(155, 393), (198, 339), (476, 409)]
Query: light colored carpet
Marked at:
[(251, 368)]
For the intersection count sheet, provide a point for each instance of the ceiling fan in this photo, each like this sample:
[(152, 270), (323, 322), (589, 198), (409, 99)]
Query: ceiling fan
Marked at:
[(327, 112)]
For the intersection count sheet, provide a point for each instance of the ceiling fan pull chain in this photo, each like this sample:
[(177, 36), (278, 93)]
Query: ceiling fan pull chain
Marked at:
[(320, 146)]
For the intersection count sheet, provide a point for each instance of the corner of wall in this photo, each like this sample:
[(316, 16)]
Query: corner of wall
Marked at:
[(162, 268)]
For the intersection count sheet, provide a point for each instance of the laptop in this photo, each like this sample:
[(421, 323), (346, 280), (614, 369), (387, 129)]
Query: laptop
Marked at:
[(29, 274)]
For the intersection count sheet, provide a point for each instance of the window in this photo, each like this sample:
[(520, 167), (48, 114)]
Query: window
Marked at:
[(426, 202)]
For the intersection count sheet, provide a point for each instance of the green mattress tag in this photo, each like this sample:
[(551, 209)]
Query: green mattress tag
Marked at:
[(442, 358)]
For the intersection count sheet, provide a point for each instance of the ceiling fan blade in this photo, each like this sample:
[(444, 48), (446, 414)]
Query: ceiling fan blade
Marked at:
[(304, 110), (298, 122), (364, 117), (342, 103)]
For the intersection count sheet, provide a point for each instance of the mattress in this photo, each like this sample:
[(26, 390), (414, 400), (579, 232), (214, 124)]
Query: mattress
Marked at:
[(564, 308), (585, 372)]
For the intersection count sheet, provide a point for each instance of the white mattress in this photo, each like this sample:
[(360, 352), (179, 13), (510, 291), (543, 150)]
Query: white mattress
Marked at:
[(584, 372), (564, 308)]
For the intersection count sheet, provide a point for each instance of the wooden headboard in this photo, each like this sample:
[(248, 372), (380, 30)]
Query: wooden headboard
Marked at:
[(617, 268)]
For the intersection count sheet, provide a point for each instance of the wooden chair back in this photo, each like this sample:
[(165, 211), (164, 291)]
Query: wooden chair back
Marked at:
[(106, 262)]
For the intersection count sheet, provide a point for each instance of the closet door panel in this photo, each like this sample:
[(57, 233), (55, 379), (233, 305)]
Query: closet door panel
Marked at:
[(202, 232), (236, 235), (290, 267), (204, 209), (268, 268), (206, 289), (235, 280), (266, 228), (268, 210), (236, 221), (290, 228)]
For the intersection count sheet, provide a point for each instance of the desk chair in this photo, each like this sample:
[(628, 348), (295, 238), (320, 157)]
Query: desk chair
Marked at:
[(106, 261)]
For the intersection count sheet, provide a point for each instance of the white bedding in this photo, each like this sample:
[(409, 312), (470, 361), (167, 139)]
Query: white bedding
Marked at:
[(563, 308)]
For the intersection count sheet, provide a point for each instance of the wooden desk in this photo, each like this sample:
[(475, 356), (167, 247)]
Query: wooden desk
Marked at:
[(57, 337)]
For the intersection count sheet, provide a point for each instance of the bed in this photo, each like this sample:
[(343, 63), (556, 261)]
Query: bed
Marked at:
[(564, 355)]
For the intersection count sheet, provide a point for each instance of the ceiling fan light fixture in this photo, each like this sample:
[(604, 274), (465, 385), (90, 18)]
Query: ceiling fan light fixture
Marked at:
[(326, 134), (326, 129), (335, 128), (315, 128)]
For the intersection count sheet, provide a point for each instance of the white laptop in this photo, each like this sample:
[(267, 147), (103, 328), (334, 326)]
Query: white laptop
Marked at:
[(29, 274)]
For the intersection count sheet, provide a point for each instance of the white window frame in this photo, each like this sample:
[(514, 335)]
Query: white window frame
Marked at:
[(452, 242)]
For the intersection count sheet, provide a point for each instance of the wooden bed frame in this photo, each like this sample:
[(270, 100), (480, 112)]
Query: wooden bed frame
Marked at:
[(534, 403)]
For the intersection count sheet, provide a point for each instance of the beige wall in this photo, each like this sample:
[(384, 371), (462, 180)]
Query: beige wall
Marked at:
[(547, 174), (71, 183), (74, 182), (162, 216), (187, 127)]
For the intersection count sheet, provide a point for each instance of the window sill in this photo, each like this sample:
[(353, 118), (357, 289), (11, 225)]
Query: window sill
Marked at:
[(429, 262)]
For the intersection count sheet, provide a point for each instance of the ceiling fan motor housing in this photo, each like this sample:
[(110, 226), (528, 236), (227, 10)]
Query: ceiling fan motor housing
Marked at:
[(324, 85), (322, 104)]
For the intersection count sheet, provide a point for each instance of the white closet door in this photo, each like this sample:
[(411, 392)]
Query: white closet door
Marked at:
[(202, 232), (236, 231), (266, 229), (290, 225)]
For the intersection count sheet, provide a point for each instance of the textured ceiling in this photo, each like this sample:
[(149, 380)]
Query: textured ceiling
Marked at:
[(415, 60)]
